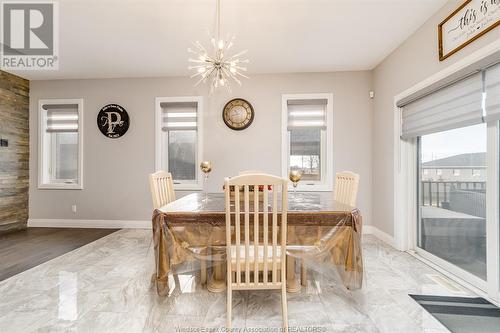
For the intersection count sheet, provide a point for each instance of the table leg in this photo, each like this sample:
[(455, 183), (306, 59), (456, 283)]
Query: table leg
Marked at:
[(203, 271), (217, 283), (292, 285)]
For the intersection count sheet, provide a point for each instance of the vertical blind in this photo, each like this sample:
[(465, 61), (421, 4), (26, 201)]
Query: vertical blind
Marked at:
[(469, 101), (62, 117), (179, 116), (307, 113)]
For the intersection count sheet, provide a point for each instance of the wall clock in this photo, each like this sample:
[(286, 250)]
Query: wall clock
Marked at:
[(238, 114), (113, 121)]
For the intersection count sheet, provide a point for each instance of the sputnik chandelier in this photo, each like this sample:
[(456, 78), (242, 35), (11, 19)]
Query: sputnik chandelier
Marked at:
[(220, 68)]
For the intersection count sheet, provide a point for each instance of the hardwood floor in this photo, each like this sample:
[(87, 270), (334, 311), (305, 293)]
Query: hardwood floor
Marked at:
[(24, 249)]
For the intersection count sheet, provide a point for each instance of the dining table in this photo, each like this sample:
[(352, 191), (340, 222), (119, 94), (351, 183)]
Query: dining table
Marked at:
[(321, 233)]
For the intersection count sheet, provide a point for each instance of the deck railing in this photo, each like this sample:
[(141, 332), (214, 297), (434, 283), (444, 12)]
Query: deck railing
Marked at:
[(437, 193)]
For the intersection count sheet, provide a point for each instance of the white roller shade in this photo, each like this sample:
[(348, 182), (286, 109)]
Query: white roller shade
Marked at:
[(62, 118), (454, 106), (492, 89), (307, 113), (179, 116)]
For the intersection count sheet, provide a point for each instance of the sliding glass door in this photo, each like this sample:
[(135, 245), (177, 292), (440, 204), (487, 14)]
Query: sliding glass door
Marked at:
[(450, 144), (452, 174)]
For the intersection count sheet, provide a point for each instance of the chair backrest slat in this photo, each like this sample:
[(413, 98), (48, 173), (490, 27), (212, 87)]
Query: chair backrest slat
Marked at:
[(237, 231), (275, 236), (257, 256), (162, 188), (256, 233), (266, 232), (284, 230), (247, 235), (346, 188)]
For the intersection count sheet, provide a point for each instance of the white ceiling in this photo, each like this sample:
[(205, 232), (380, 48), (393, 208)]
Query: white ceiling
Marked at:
[(149, 38)]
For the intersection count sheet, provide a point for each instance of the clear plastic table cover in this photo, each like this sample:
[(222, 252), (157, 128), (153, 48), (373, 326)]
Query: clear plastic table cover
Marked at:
[(325, 234)]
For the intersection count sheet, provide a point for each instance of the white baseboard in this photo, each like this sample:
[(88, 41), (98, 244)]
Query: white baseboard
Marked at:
[(383, 236), (109, 224)]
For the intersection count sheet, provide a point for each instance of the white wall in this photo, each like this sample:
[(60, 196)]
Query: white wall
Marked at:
[(413, 61), (116, 170)]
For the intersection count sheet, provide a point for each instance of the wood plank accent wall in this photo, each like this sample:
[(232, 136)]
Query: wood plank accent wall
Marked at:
[(14, 159)]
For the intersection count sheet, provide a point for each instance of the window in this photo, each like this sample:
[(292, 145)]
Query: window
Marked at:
[(178, 139), (456, 172), (60, 152), (439, 172), (426, 172), (476, 172), (308, 139)]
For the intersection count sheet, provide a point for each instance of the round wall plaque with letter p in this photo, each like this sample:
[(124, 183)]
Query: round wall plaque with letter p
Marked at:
[(113, 121)]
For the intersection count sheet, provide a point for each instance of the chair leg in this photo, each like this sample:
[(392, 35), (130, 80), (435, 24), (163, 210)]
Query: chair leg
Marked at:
[(203, 273), (284, 308), (177, 283), (229, 307)]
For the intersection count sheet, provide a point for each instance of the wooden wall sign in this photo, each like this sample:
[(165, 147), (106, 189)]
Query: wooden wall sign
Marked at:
[(113, 121), (467, 23)]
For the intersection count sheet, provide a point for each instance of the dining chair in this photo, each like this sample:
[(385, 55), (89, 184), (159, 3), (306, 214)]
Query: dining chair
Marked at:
[(346, 188), (250, 252), (162, 192), (346, 192), (162, 188)]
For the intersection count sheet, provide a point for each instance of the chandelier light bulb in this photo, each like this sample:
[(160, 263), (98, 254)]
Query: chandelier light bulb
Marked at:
[(221, 44)]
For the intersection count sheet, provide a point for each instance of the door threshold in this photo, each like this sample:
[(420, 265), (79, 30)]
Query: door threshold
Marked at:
[(454, 277)]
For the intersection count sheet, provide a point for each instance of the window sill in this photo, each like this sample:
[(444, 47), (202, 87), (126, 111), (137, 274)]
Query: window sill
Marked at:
[(188, 187), (60, 187)]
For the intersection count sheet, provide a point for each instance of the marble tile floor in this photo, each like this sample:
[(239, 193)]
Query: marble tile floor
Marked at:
[(105, 286)]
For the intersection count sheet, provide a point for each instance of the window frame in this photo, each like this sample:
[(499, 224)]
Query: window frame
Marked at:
[(44, 145), (326, 157), (197, 184)]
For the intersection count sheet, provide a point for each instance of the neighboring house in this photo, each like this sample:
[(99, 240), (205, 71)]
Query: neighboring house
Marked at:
[(460, 168), (457, 183)]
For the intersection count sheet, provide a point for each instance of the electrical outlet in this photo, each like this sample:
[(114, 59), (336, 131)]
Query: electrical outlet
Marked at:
[(73, 208), (4, 143)]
